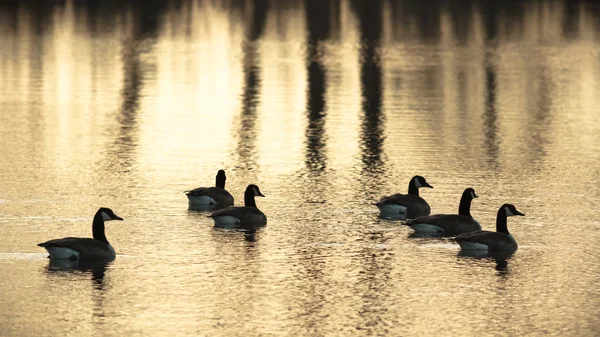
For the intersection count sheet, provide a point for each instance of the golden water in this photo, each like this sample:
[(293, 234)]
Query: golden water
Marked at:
[(327, 106)]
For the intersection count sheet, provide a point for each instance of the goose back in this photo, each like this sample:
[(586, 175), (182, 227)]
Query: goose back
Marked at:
[(212, 197), (448, 224), (244, 217), (493, 240), (79, 248), (411, 205)]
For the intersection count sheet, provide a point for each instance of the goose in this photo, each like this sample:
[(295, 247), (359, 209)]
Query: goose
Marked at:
[(210, 198), (449, 224), (85, 249), (405, 206), (495, 241), (242, 217)]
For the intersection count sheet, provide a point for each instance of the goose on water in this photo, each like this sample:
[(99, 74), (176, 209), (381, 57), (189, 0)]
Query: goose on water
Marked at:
[(405, 206), (449, 224), (85, 249), (242, 217), (501, 239), (210, 198)]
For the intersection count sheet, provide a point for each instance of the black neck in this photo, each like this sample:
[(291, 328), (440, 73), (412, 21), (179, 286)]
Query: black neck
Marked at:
[(464, 208), (249, 198), (501, 222), (412, 187), (98, 228), (220, 181)]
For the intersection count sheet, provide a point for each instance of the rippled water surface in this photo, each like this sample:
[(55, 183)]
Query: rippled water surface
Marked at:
[(327, 106)]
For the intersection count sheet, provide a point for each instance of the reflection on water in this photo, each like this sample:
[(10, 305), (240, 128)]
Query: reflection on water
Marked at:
[(95, 269), (327, 106)]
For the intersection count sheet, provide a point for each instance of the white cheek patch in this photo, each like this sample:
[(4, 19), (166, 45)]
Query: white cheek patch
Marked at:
[(106, 217), (418, 183), (473, 196), (508, 211), (255, 191)]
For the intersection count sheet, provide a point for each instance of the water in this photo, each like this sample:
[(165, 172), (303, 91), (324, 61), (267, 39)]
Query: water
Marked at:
[(327, 108)]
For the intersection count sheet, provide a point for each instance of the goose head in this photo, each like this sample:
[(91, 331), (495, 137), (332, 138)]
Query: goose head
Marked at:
[(510, 210), (470, 192), (254, 191), (220, 179), (419, 182), (108, 214)]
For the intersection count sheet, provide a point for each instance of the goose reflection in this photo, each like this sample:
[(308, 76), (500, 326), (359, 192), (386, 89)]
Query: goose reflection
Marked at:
[(499, 257), (96, 269)]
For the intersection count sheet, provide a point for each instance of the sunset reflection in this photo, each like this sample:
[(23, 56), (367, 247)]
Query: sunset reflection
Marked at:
[(327, 106)]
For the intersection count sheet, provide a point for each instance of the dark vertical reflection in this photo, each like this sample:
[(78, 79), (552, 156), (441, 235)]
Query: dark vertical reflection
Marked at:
[(372, 126), (373, 283), (540, 119), (316, 186), (141, 38), (256, 14), (572, 18), (317, 21), (374, 267), (490, 115)]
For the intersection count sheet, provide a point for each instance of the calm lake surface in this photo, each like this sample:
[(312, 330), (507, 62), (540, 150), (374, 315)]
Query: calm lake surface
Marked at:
[(327, 106)]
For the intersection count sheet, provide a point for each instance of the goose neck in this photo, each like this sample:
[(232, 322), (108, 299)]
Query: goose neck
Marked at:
[(412, 187), (464, 208), (98, 228), (249, 198), (501, 220), (220, 181)]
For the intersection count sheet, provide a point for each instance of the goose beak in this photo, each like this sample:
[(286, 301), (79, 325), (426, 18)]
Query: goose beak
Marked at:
[(116, 217), (260, 194), (475, 196), (427, 185), (519, 213)]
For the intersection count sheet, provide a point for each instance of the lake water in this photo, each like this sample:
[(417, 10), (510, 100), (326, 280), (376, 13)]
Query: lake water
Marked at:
[(327, 106)]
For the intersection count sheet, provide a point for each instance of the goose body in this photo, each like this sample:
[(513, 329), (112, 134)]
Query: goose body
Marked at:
[(501, 239), (405, 206), (242, 217), (96, 248), (449, 224), (210, 198)]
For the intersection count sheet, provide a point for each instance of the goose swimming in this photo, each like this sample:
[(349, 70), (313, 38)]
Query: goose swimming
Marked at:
[(210, 198), (242, 217), (501, 239), (405, 206), (449, 224), (81, 249)]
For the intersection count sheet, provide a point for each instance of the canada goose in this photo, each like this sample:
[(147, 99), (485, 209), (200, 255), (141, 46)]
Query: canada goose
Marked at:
[(486, 240), (210, 198), (243, 217), (449, 224), (405, 206), (97, 248)]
